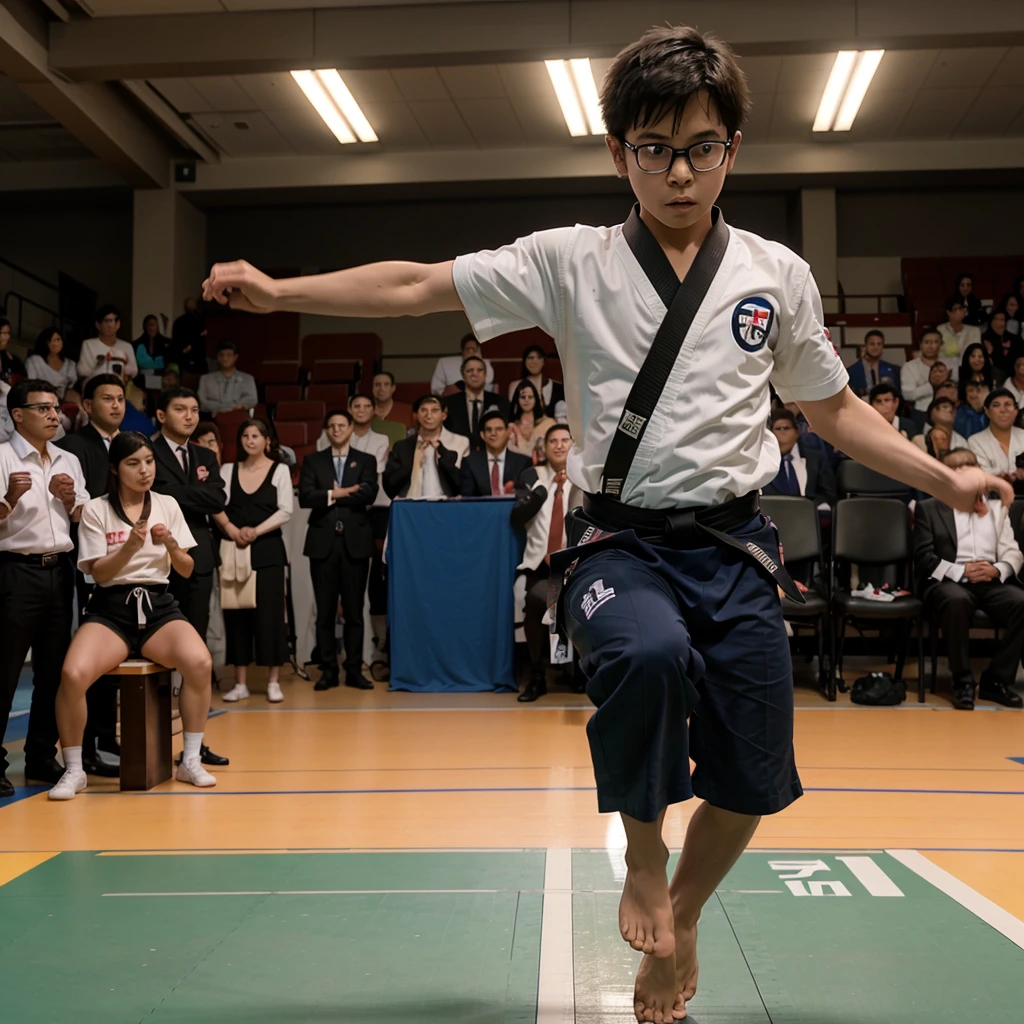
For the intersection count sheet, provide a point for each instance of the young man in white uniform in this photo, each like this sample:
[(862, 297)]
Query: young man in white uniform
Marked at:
[(665, 611)]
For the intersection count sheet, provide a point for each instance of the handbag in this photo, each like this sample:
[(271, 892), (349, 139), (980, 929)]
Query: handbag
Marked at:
[(237, 577)]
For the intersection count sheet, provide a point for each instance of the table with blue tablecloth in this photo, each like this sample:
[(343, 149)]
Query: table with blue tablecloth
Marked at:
[(451, 570)]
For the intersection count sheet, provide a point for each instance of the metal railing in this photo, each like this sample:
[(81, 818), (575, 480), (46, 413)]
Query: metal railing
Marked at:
[(51, 317)]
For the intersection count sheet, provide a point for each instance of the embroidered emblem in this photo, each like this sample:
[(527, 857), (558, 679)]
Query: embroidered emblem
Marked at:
[(116, 537), (632, 424), (752, 322), (352, 464), (597, 595)]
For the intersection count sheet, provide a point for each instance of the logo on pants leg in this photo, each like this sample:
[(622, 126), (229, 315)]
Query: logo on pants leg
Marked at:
[(597, 595)]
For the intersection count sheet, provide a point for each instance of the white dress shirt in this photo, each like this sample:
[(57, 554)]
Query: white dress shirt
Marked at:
[(914, 382), (706, 441), (539, 527), (1018, 393), (449, 371), (986, 538), (6, 423), (378, 446), (97, 357), (66, 377), (39, 524), (430, 482), (992, 457)]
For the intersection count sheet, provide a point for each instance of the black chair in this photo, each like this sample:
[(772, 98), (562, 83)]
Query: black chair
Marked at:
[(1016, 518), (855, 480), (796, 519), (874, 535)]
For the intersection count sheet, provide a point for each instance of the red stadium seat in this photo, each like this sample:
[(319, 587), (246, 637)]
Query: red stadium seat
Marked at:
[(283, 393), (334, 371), (334, 396), (292, 434), (293, 412), (280, 371)]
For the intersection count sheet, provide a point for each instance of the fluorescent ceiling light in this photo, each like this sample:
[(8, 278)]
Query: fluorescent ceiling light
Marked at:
[(331, 99), (567, 98), (842, 68), (856, 90), (586, 87)]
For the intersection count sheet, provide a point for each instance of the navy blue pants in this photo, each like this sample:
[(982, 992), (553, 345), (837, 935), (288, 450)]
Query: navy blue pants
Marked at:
[(686, 656)]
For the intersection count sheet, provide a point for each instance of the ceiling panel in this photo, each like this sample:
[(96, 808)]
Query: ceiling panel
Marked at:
[(805, 72), (970, 67), (541, 119), (395, 125), (526, 79), (272, 91), (420, 84), (442, 123), (478, 81), (304, 131), (902, 70), (792, 117), (493, 122), (880, 115), (260, 138), (373, 87), (762, 74), (118, 8), (993, 111), (223, 92), (758, 124), (182, 95), (1010, 70), (935, 113)]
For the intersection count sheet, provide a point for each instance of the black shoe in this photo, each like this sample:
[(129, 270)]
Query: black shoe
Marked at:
[(358, 682), (381, 671), (94, 766), (207, 756), (6, 787), (46, 771), (536, 688), (326, 682), (963, 696), (999, 693)]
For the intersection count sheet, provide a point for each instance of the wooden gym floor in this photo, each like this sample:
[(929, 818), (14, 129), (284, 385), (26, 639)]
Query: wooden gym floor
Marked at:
[(375, 856)]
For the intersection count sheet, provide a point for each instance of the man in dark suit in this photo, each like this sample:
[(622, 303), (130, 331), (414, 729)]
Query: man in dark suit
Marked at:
[(871, 368), (103, 401), (964, 561), (190, 474), (885, 400), (338, 484), (803, 470), (466, 410), (426, 464), (495, 470)]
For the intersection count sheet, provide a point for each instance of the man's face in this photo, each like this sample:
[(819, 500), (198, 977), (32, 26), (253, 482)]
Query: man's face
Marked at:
[(956, 314), (1018, 368), (40, 420), (786, 434), (556, 449), (430, 416), (208, 440), (948, 391), (966, 286), (886, 404), (226, 358), (976, 395), (108, 327), (874, 346), (5, 336), (339, 430), (106, 408), (943, 415), (362, 410), (938, 375), (475, 375), (679, 197), (930, 345), (383, 389), (1002, 412), (181, 416), (495, 435), (190, 305), (470, 348)]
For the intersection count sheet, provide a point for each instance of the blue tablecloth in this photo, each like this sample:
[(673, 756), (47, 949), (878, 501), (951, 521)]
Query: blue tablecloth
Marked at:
[(451, 568)]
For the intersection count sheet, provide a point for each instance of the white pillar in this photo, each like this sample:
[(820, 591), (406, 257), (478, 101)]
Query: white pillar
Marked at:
[(169, 255), (819, 241)]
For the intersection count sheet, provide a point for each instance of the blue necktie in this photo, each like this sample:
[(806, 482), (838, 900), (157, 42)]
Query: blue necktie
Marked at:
[(785, 480), (339, 468)]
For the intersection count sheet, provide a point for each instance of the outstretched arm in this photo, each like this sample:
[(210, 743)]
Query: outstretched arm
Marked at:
[(374, 290), (852, 426)]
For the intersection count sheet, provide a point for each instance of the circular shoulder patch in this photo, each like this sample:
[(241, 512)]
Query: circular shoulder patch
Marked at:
[(752, 321)]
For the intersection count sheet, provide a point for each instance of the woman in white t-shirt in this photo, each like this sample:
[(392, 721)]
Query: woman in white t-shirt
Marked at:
[(128, 541)]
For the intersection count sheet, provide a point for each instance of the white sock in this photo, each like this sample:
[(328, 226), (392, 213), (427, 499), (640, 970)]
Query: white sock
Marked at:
[(72, 758), (193, 741)]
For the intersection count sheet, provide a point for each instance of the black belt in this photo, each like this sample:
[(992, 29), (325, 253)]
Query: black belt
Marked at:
[(49, 561)]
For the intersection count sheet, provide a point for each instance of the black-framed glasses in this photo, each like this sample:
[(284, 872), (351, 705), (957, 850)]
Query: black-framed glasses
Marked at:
[(43, 407), (656, 158)]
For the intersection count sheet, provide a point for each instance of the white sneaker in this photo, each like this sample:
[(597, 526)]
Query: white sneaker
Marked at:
[(237, 692), (274, 694), (69, 785), (193, 772)]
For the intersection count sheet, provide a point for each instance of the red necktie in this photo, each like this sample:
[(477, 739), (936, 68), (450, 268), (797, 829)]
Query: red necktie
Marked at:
[(556, 532), (495, 479)]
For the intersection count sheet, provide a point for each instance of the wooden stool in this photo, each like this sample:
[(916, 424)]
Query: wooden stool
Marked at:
[(145, 723)]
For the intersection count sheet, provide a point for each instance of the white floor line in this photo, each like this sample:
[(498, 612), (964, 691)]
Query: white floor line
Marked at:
[(556, 996), (871, 876), (556, 894), (991, 913)]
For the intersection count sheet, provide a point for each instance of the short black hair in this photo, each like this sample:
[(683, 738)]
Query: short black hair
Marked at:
[(491, 414), (874, 333), (4, 322), (226, 343), (42, 346), (354, 398), (168, 395), (423, 399), (338, 412), (554, 428), (999, 393), (18, 395), (466, 339), (659, 74), (104, 311), (954, 300), (783, 414), (385, 373), (206, 427), (930, 329), (885, 388), (473, 359), (936, 402), (92, 385)]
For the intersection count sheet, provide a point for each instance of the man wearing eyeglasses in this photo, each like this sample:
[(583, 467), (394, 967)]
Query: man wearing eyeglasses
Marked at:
[(107, 353), (43, 492)]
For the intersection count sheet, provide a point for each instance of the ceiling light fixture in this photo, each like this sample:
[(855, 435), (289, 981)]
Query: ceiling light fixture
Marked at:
[(558, 70), (586, 88), (845, 89), (577, 95), (331, 99)]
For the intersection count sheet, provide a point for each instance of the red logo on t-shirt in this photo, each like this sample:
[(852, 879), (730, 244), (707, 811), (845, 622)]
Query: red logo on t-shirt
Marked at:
[(114, 539)]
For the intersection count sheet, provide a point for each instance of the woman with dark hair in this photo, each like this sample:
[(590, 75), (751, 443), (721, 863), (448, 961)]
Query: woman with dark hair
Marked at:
[(552, 393), (47, 362), (260, 502), (151, 346), (128, 541), (528, 423), (1010, 306), (976, 365), (1002, 346), (10, 365), (975, 310)]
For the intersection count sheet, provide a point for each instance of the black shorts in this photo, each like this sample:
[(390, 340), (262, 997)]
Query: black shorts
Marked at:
[(117, 608)]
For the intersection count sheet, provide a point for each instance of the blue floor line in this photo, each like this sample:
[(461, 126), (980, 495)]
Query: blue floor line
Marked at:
[(22, 793)]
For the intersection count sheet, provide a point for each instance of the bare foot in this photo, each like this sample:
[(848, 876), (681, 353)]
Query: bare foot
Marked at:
[(645, 911), (686, 966), (655, 995)]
